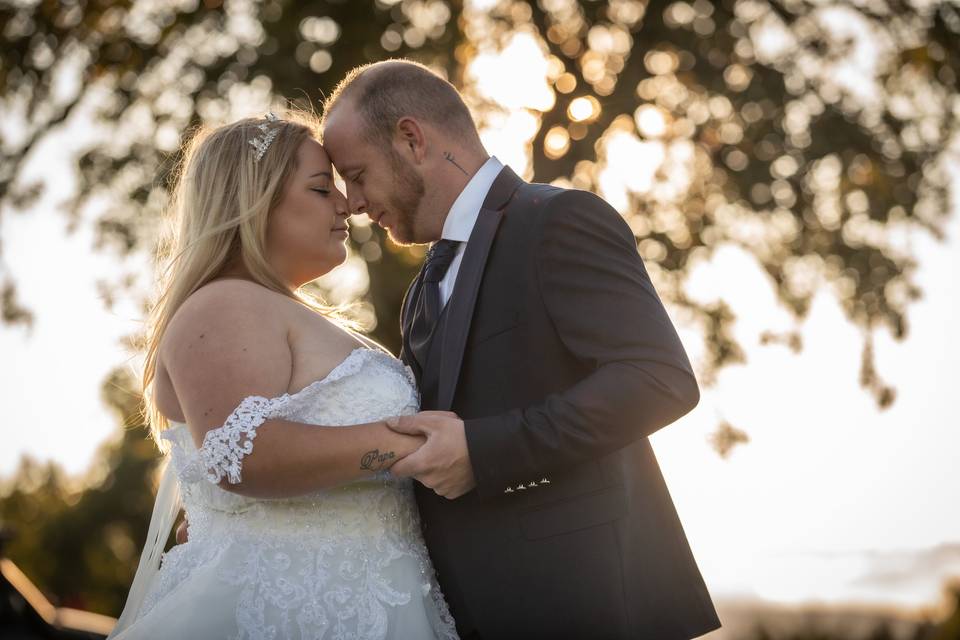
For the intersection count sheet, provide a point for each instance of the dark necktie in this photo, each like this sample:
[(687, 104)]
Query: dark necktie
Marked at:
[(428, 307)]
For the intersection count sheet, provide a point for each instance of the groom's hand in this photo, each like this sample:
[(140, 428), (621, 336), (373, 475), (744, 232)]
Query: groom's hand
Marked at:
[(443, 462)]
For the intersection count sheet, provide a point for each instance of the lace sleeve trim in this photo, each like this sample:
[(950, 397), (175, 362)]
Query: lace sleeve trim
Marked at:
[(223, 449)]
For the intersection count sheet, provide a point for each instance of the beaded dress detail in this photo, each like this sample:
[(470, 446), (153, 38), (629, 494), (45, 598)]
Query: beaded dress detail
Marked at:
[(343, 563)]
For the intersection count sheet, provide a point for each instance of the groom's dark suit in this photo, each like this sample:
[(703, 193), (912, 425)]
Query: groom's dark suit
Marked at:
[(557, 353)]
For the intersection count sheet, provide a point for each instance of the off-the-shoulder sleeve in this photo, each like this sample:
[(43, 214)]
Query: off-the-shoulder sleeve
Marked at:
[(223, 449)]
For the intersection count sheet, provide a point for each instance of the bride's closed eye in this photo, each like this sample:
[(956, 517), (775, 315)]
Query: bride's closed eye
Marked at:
[(325, 192)]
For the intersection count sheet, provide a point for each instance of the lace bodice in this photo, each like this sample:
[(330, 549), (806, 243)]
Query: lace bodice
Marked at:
[(334, 564), (368, 385)]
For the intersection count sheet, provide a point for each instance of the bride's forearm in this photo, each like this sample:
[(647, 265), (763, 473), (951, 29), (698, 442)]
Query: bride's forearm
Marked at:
[(291, 459)]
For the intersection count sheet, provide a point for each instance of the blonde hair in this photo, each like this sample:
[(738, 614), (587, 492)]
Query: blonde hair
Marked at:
[(219, 207)]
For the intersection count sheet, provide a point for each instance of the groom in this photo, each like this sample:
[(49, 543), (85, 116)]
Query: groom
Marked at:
[(544, 358)]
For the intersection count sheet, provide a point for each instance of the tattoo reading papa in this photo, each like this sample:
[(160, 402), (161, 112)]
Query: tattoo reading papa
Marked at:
[(374, 460)]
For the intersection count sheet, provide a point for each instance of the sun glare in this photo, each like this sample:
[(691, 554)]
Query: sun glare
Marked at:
[(516, 76), (651, 121), (583, 109), (556, 143)]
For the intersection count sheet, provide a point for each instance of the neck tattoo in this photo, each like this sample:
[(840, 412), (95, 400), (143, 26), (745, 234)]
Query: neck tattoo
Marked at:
[(449, 157)]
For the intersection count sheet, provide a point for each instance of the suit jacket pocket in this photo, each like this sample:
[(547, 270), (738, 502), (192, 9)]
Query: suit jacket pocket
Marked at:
[(581, 512), (495, 327)]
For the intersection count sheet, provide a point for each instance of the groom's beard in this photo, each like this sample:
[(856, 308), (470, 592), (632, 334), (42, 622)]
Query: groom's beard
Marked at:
[(405, 200)]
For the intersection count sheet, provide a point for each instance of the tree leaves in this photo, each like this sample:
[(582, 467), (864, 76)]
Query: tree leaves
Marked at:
[(810, 136)]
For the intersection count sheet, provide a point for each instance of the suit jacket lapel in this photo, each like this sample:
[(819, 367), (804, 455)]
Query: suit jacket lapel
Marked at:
[(460, 306)]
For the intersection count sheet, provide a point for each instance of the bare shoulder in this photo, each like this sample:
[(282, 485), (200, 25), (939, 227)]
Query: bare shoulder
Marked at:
[(227, 341), (239, 296), (225, 311)]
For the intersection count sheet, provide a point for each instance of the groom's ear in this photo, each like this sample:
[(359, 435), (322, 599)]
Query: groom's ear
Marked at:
[(412, 138)]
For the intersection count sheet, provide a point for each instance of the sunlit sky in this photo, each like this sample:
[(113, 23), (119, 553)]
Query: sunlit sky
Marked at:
[(831, 500)]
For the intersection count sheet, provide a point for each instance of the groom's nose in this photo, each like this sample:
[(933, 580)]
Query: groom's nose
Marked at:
[(356, 203)]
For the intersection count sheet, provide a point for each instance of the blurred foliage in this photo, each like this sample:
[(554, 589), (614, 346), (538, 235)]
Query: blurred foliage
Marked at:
[(945, 629), (726, 437), (949, 629), (811, 135), (80, 541)]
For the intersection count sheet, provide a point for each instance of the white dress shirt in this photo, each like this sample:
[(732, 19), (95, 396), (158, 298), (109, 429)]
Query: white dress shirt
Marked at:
[(463, 216)]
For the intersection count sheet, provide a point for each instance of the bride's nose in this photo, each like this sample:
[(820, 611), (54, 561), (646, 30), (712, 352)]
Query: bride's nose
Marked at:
[(356, 202), (341, 208)]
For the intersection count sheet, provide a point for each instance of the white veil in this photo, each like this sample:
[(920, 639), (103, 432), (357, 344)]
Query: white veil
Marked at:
[(165, 510)]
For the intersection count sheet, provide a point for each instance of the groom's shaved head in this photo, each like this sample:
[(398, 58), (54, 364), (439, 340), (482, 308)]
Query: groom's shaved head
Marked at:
[(384, 92)]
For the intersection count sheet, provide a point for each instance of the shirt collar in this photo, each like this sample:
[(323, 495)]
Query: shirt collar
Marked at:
[(465, 209)]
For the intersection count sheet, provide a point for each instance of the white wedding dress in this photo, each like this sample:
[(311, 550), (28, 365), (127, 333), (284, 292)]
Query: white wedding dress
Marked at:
[(343, 563)]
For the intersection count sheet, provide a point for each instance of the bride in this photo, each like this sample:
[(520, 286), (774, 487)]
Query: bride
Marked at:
[(273, 415)]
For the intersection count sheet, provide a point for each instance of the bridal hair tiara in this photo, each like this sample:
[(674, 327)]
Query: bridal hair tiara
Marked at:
[(262, 142)]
